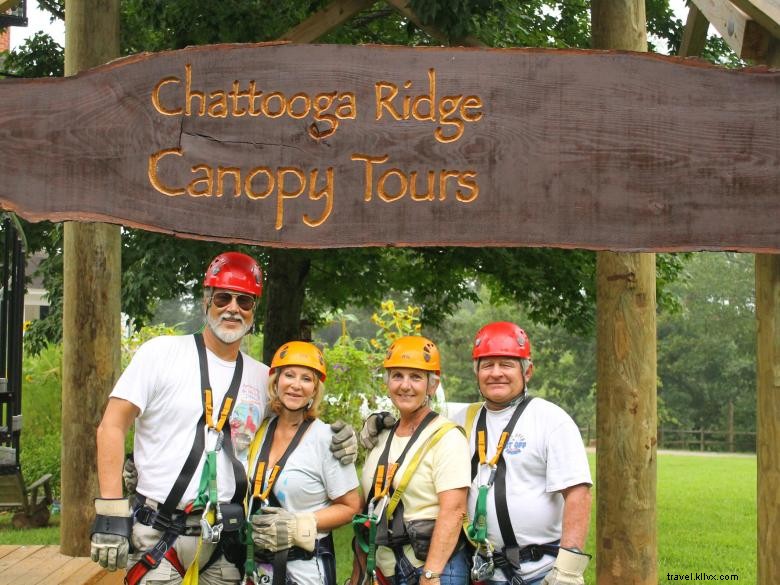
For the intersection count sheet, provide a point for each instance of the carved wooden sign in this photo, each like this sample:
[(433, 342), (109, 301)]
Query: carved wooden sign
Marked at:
[(329, 146)]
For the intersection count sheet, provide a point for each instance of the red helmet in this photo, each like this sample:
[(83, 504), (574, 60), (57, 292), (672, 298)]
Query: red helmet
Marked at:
[(235, 271), (501, 339)]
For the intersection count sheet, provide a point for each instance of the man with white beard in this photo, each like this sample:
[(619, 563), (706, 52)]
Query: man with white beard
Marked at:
[(196, 401)]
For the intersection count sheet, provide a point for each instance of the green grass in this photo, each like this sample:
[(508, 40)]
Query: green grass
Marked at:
[(706, 520)]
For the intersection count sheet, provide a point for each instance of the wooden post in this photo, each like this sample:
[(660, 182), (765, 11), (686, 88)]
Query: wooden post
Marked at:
[(91, 302), (768, 407), (626, 410), (768, 402)]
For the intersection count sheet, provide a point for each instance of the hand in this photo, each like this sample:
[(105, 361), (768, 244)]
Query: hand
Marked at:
[(130, 475), (375, 424), (568, 569), (277, 529), (110, 542), (344, 442)]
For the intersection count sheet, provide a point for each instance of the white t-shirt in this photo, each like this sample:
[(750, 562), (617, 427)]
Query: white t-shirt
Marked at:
[(444, 467), (543, 455), (163, 381), (310, 480)]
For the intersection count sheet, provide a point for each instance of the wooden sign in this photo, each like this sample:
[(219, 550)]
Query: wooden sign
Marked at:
[(329, 146)]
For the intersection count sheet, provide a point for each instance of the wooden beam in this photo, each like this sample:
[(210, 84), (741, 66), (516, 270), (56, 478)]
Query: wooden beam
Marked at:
[(6, 5), (405, 10), (322, 22), (92, 275), (745, 36), (764, 12), (694, 33)]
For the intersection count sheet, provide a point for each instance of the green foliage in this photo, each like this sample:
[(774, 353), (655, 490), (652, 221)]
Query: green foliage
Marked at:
[(38, 56), (136, 339), (354, 383), (42, 414), (706, 351)]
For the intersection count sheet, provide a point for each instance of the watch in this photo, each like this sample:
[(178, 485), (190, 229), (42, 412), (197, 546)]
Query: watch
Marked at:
[(428, 574)]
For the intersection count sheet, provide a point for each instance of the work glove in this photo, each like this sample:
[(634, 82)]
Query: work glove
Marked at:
[(375, 424), (343, 444), (130, 475), (568, 569), (277, 529), (110, 543)]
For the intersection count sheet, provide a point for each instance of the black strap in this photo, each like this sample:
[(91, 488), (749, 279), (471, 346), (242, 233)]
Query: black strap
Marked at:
[(383, 458), (502, 508), (265, 453), (232, 392)]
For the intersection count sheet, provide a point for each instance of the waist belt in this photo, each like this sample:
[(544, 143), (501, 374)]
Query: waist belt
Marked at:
[(147, 512), (294, 553), (513, 556)]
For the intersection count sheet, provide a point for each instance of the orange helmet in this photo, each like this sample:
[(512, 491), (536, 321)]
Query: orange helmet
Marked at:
[(235, 271), (299, 353), (501, 339), (413, 351)]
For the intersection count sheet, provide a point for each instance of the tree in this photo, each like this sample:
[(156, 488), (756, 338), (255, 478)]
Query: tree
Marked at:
[(706, 356)]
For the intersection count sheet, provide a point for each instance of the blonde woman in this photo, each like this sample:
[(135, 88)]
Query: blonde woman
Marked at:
[(298, 491)]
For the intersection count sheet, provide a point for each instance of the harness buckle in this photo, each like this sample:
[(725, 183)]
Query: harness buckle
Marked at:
[(208, 532)]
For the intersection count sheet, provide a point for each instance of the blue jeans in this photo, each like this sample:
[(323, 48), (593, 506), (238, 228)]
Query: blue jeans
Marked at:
[(455, 572)]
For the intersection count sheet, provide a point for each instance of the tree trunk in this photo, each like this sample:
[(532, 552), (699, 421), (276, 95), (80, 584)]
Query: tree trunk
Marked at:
[(626, 547), (91, 303), (285, 291)]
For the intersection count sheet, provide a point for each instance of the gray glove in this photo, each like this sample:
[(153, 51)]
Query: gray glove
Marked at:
[(375, 424), (110, 542), (568, 569), (277, 529), (344, 442), (130, 475)]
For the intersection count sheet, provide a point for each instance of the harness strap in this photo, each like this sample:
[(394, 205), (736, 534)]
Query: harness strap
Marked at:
[(383, 477), (264, 493), (477, 531), (151, 559)]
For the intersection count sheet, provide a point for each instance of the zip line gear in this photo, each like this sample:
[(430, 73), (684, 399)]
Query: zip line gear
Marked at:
[(413, 351), (386, 501), (111, 533), (235, 271), (343, 443), (166, 518), (261, 495), (375, 424), (299, 353)]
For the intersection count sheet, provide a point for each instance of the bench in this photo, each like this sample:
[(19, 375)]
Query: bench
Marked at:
[(32, 501)]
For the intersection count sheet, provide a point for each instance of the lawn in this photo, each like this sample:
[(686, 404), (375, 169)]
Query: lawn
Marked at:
[(706, 520)]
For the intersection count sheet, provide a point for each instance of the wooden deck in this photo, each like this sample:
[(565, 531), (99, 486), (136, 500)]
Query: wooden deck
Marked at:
[(33, 564)]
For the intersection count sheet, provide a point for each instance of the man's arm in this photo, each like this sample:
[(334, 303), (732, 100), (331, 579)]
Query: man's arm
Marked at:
[(111, 433), (576, 516)]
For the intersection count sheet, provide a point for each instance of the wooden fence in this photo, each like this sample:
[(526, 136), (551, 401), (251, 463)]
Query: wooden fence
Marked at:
[(729, 441)]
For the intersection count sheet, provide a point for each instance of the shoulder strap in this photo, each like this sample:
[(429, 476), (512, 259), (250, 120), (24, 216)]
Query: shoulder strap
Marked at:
[(471, 413), (502, 508), (415, 461), (198, 445)]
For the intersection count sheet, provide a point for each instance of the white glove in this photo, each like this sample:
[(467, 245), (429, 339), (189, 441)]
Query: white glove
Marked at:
[(568, 569), (276, 529), (343, 443), (130, 475), (110, 543), (375, 424)]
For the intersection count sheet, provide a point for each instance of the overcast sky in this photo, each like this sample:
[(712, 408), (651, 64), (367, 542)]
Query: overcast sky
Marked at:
[(39, 20)]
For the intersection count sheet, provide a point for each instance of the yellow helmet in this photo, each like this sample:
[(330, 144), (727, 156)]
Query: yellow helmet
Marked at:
[(413, 351), (299, 353)]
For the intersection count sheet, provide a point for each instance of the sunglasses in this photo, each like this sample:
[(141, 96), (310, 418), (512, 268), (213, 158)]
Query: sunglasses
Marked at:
[(223, 299)]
